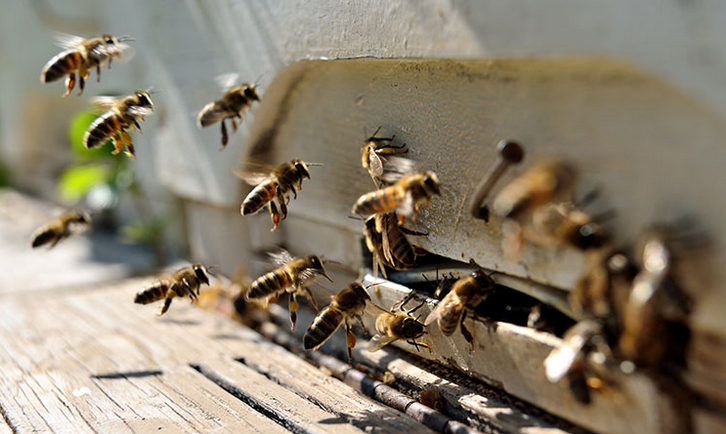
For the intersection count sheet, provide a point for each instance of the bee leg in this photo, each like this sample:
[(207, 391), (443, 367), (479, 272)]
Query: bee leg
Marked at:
[(309, 296), (350, 341), (117, 144), (225, 137), (167, 302), (70, 84), (465, 331), (293, 306), (126, 140), (81, 84), (294, 192), (234, 124), (137, 125), (363, 326), (98, 73), (283, 207), (275, 215), (109, 62)]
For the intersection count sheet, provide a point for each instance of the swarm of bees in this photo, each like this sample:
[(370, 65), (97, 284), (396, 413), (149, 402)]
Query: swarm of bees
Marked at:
[(630, 309)]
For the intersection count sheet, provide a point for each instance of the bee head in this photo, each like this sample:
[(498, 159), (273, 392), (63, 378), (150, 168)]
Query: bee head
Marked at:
[(360, 290), (411, 328), (482, 279), (302, 168), (81, 217), (250, 92), (109, 39), (201, 273), (588, 236), (143, 99), (431, 184)]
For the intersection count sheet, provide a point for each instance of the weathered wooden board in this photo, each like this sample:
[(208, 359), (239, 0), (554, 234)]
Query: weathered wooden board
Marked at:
[(93, 361)]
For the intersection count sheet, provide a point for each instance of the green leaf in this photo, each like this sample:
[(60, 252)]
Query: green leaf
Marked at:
[(75, 182)]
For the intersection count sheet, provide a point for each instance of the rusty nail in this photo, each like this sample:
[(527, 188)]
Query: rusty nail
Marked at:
[(510, 153)]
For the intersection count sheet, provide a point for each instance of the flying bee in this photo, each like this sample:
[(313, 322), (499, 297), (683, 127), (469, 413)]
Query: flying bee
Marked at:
[(348, 304), (392, 326), (80, 56), (373, 154), (405, 196), (450, 312), (120, 115), (231, 106), (184, 282), (292, 276), (278, 183), (374, 242), (60, 228), (655, 304), (583, 348), (543, 183), (397, 250), (563, 224)]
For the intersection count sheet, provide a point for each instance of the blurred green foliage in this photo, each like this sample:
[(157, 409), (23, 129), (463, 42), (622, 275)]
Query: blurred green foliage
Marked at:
[(76, 181)]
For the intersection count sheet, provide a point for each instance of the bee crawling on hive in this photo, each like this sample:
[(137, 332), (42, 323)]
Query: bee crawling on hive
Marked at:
[(392, 326), (233, 104), (56, 230), (292, 276), (276, 183), (409, 190), (119, 115), (450, 312), (348, 304), (184, 282), (373, 154), (81, 55)]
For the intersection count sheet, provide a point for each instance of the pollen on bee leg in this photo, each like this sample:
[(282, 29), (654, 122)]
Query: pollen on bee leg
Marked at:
[(275, 216), (118, 145), (70, 84), (351, 340)]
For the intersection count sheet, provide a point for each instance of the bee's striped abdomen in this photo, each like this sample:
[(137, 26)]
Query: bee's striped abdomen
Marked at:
[(384, 200), (152, 293), (102, 129), (61, 65), (269, 283), (44, 236), (210, 114), (322, 328), (258, 197), (403, 252), (450, 317)]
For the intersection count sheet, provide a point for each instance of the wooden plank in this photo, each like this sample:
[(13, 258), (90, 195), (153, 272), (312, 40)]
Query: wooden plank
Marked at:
[(131, 371)]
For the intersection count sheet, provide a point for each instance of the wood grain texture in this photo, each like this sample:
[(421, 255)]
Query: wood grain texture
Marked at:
[(93, 361)]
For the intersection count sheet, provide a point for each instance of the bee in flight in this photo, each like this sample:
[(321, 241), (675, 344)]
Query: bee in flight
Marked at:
[(563, 224), (373, 153), (582, 345), (450, 312), (405, 197), (61, 228), (397, 250), (278, 184), (392, 326), (231, 106), (292, 276), (80, 56), (120, 115), (348, 304), (184, 282)]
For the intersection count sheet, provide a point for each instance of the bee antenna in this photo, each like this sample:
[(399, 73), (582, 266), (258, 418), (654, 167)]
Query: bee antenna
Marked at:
[(152, 90), (257, 80), (355, 217), (330, 261), (126, 38), (314, 164)]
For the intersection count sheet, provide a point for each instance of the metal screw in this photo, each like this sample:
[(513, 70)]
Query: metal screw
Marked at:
[(510, 153)]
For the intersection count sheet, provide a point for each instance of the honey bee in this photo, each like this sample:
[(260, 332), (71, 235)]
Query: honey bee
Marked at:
[(655, 303), (404, 197), (348, 304), (373, 154), (231, 106), (374, 242), (397, 250), (61, 228), (121, 114), (81, 56), (544, 183), (391, 327), (575, 360), (278, 183), (450, 312), (562, 223), (291, 276), (183, 282)]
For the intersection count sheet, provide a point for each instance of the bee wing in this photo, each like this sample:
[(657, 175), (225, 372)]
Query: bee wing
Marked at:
[(102, 104), (559, 362), (379, 341), (407, 208), (226, 81), (375, 164), (252, 178), (122, 52), (140, 111), (65, 40), (450, 309), (396, 168), (281, 258)]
